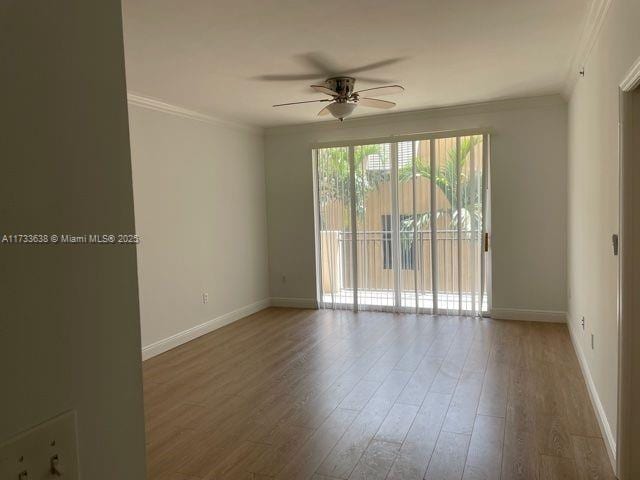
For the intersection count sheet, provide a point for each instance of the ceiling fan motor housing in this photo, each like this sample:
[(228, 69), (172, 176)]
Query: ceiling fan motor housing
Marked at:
[(343, 86)]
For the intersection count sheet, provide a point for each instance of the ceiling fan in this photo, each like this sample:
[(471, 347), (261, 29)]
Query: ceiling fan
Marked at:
[(344, 99)]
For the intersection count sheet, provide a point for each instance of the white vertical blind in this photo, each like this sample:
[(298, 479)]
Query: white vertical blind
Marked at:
[(401, 225), (333, 249)]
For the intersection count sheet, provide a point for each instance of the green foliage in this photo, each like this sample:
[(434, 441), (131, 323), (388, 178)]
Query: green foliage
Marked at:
[(445, 181), (333, 174), (334, 184)]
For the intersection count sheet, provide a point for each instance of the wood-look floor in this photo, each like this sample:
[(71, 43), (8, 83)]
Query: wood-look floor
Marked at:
[(321, 395)]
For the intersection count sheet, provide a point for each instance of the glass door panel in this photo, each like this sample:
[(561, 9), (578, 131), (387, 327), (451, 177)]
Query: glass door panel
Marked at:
[(401, 225), (374, 222), (424, 220), (334, 229), (471, 170), (414, 212), (446, 234)]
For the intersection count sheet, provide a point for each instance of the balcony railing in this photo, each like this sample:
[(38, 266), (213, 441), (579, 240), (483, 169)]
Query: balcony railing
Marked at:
[(375, 272)]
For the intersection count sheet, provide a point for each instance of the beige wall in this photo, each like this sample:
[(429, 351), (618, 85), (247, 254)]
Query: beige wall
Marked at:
[(529, 229), (593, 198), (69, 332), (199, 194)]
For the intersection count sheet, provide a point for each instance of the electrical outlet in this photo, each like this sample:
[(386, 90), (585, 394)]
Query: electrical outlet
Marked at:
[(582, 322), (205, 297), (46, 451)]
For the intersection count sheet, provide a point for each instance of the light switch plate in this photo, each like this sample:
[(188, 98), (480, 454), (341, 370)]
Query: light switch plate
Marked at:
[(32, 451)]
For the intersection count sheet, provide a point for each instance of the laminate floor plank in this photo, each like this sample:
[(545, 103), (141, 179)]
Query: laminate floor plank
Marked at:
[(333, 395), (398, 422), (376, 461), (304, 464), (493, 399), (484, 459), (557, 468), (343, 458), (464, 404), (415, 452), (420, 382), (448, 459), (591, 459)]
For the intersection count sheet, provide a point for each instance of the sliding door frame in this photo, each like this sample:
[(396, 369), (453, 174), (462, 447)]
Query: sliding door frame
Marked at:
[(393, 142), (485, 251), (317, 227)]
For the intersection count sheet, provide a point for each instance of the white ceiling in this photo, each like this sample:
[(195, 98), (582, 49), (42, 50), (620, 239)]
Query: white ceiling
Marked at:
[(205, 55)]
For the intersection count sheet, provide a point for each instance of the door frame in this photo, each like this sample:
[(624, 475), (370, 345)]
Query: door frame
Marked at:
[(628, 262), (393, 140)]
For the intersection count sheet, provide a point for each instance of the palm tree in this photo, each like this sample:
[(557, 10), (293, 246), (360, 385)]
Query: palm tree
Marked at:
[(334, 181), (333, 174), (445, 179)]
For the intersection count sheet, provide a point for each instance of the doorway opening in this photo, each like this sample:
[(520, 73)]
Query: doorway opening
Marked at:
[(628, 431), (403, 224)]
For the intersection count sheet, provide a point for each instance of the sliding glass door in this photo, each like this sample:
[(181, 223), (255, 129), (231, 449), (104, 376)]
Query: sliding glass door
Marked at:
[(401, 225)]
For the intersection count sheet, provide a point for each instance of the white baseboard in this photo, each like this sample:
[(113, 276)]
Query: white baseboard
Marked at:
[(605, 427), (173, 341), (529, 315), (294, 302)]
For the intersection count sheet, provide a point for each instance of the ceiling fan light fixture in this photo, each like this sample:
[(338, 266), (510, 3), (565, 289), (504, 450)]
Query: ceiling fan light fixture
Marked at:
[(341, 110), (344, 99)]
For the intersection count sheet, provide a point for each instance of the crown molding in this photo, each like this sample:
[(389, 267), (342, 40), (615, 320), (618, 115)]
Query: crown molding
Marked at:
[(541, 101), (590, 31), (632, 78), (160, 106)]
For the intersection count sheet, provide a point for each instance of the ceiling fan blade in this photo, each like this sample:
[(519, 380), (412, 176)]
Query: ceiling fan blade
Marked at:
[(375, 103), (375, 80), (325, 90), (374, 65), (306, 101), (317, 61), (324, 111), (387, 90), (320, 62), (288, 78)]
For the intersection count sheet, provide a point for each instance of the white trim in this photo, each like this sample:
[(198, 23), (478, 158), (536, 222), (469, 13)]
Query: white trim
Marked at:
[(529, 315), (625, 306), (603, 423), (316, 225), (592, 26), (294, 302), (160, 106), (192, 333), (632, 78)]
